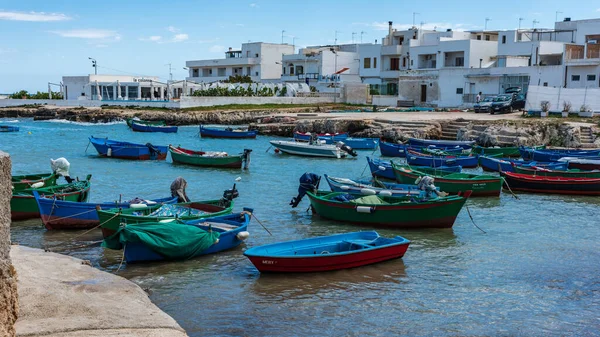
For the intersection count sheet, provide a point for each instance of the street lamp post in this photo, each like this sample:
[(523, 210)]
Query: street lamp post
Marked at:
[(95, 65)]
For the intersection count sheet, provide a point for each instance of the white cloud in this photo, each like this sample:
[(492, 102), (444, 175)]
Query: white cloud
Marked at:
[(173, 29), (33, 16), (180, 37), (88, 34), (154, 38), (253, 5), (216, 49)]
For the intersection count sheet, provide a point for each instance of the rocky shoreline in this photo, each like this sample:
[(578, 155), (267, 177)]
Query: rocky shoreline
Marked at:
[(395, 128)]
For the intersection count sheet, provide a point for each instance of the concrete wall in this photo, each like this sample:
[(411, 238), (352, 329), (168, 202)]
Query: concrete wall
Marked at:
[(381, 100), (556, 97), (583, 73), (188, 101), (85, 103), (355, 93), (8, 276)]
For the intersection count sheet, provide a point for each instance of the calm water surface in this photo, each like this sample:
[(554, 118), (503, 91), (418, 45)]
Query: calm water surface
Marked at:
[(534, 273)]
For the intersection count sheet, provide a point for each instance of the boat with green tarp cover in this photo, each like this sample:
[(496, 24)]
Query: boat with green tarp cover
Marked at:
[(542, 172), (23, 205), (180, 240), (111, 219), (130, 121), (506, 152), (22, 182), (397, 212), (453, 183)]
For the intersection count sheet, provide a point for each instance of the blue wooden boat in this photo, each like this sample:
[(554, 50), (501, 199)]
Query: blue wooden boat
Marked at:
[(417, 158), (392, 150), (180, 240), (358, 187), (317, 149), (59, 214), (362, 143), (226, 133), (8, 128), (327, 137), (126, 150), (492, 164), (548, 155), (139, 127), (383, 169), (326, 253), (465, 144)]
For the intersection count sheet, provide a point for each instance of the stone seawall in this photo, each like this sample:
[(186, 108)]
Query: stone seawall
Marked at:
[(8, 274)]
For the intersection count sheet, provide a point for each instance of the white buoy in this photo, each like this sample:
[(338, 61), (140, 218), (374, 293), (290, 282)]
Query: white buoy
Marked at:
[(166, 220), (367, 191), (238, 178), (243, 235), (38, 184), (139, 206), (385, 193), (364, 209), (381, 168), (109, 152)]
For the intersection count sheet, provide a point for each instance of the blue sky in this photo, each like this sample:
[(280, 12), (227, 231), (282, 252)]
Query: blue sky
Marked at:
[(44, 40)]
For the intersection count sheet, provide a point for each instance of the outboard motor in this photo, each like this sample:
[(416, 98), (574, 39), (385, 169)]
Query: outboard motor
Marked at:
[(246, 158), (425, 183), (308, 182), (154, 151), (346, 149), (229, 195), (178, 190), (60, 167)]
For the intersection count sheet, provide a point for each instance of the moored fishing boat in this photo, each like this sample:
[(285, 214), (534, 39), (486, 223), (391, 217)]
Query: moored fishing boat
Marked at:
[(506, 152), (317, 149), (544, 172), (21, 182), (383, 169), (402, 212), (441, 143), (493, 164), (367, 188), (130, 121), (8, 128), (209, 158), (551, 185), (112, 218), (327, 253), (453, 183), (392, 149), (421, 159), (362, 143), (61, 214), (126, 150), (180, 240), (139, 127), (329, 138), (548, 155), (227, 132), (23, 205), (581, 163)]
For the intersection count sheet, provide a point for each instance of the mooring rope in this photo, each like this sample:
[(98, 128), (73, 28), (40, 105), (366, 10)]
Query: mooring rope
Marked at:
[(260, 223), (511, 192), (70, 216), (122, 258), (470, 216), (79, 235)]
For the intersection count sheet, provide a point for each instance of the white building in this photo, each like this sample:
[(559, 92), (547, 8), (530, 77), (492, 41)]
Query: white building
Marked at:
[(261, 61)]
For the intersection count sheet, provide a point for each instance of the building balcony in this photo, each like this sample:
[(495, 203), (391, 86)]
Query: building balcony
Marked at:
[(391, 50), (299, 58), (582, 62), (243, 61), (390, 74)]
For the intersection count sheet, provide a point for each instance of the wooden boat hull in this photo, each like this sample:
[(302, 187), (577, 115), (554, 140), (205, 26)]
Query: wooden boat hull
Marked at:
[(135, 126), (59, 214), (491, 164), (8, 128), (217, 133), (435, 213), (180, 157), (548, 155), (505, 152), (388, 172), (22, 182), (440, 143), (361, 188), (136, 252), (392, 150), (551, 173), (413, 158), (23, 205), (125, 150), (307, 150), (334, 252), (482, 186), (551, 185), (362, 143), (582, 163), (130, 121), (112, 218)]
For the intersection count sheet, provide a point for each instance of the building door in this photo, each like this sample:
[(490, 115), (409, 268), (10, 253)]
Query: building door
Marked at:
[(423, 92)]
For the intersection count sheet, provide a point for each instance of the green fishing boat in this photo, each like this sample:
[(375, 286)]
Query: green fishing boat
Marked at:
[(453, 183), (209, 159), (504, 152), (129, 121), (397, 212), (23, 182), (23, 205), (111, 219), (573, 173)]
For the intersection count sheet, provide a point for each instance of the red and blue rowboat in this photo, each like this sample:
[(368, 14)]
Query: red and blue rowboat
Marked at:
[(59, 214), (325, 253), (551, 185), (126, 150), (226, 133), (139, 127)]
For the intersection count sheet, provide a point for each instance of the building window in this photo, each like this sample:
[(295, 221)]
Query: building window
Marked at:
[(256, 73), (374, 62), (411, 62), (487, 37), (478, 37), (545, 84), (503, 39), (255, 55), (367, 63), (591, 77), (459, 62), (459, 91), (575, 77), (248, 71), (501, 62), (395, 63), (221, 71)]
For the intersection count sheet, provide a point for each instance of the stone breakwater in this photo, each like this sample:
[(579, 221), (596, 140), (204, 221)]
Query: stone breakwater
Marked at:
[(511, 131)]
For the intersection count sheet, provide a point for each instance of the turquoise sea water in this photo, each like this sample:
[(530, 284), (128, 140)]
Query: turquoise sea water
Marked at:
[(534, 273)]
